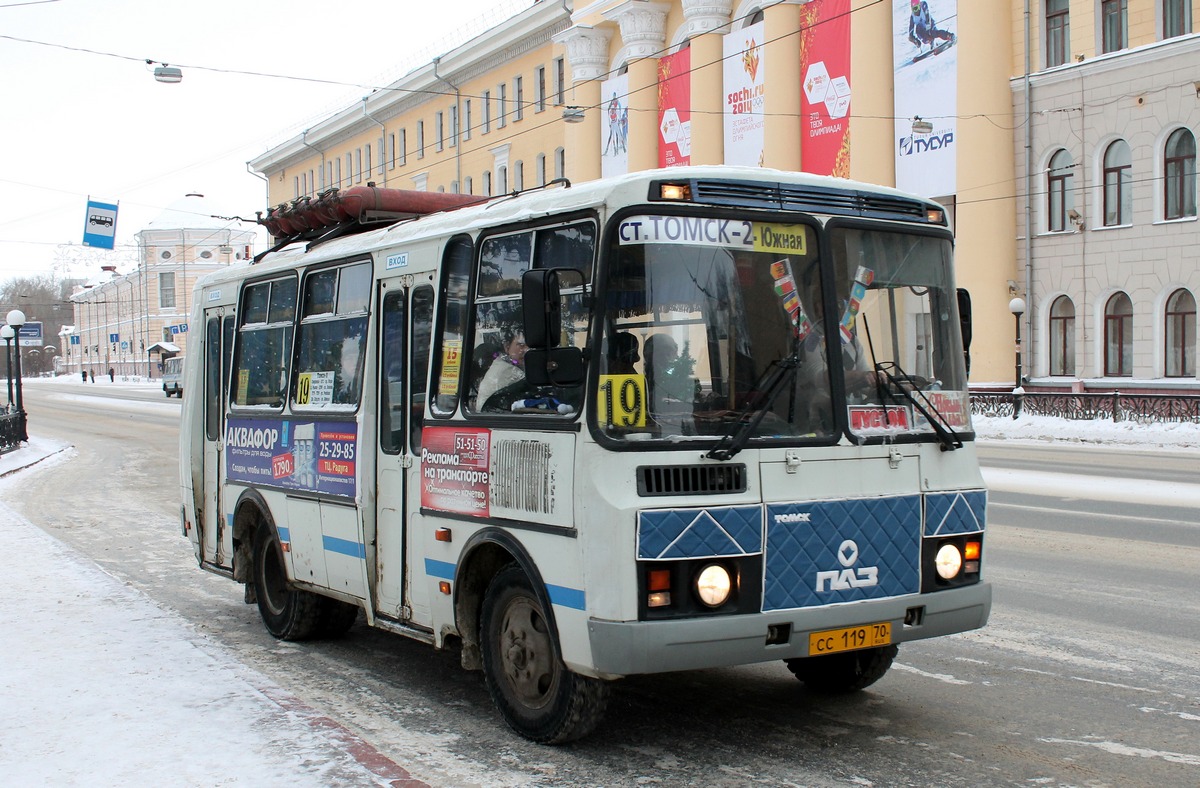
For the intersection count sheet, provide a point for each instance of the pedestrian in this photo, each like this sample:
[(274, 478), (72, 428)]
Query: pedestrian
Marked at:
[(92, 375), (112, 375), (83, 375)]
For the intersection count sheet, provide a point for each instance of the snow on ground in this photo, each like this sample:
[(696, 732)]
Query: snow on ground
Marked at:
[(1183, 436)]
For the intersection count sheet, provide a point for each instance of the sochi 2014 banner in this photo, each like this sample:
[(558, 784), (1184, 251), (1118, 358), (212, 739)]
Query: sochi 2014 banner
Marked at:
[(614, 126), (925, 67), (675, 109), (825, 98), (745, 95)]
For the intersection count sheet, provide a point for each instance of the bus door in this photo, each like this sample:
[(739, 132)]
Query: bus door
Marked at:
[(406, 319), (218, 336)]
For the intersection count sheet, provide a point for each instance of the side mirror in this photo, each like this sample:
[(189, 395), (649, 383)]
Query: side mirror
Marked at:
[(964, 322), (547, 364)]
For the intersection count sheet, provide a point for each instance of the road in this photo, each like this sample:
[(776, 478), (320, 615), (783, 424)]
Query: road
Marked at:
[(1089, 672)]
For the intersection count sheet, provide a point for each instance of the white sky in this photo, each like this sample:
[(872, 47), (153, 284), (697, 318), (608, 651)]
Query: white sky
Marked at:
[(79, 124)]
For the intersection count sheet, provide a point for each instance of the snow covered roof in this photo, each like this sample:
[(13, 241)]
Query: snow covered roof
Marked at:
[(163, 347)]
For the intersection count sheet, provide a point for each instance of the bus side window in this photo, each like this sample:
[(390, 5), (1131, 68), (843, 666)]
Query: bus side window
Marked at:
[(452, 319), (265, 343), (212, 378), (422, 329), (391, 394)]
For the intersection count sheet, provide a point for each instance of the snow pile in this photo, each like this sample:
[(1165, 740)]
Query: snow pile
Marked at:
[(1100, 432)]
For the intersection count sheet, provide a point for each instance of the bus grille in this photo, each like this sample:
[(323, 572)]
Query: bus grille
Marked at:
[(690, 479), (526, 483)]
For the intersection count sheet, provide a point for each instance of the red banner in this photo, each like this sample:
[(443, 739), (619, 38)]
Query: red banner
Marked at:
[(454, 469), (675, 109), (825, 83)]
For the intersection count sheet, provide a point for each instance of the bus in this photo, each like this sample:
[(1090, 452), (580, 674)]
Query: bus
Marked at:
[(172, 376), (677, 419)]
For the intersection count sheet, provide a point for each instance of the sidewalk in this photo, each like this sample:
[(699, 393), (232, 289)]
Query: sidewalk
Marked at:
[(101, 687)]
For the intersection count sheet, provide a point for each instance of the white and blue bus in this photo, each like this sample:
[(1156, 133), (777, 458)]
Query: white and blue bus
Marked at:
[(678, 419)]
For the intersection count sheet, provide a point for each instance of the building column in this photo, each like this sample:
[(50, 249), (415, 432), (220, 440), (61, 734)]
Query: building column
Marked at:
[(587, 54), (707, 22), (781, 140), (643, 31)]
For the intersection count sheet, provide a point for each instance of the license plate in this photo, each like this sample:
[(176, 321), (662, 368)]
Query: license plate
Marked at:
[(831, 641)]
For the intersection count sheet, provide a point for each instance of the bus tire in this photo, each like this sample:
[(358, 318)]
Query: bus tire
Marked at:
[(336, 618), (288, 613), (537, 695), (851, 671)]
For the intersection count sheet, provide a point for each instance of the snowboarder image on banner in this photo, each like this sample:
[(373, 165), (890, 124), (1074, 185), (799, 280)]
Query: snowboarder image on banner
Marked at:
[(922, 29)]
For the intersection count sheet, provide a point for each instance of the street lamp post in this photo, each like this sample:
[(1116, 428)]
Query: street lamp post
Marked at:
[(7, 334), (1017, 307), (16, 319)]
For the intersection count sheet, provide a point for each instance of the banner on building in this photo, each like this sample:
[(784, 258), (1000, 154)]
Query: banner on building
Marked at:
[(825, 98), (925, 68), (614, 142), (100, 225), (675, 109), (745, 96)]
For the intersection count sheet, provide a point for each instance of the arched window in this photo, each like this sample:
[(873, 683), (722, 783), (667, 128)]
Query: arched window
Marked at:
[(1118, 336), (1181, 335), (560, 163), (541, 169), (1060, 194), (1062, 336), (1118, 184), (1179, 170)]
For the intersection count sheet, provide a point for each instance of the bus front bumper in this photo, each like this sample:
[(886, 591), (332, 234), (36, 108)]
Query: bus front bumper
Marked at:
[(624, 648)]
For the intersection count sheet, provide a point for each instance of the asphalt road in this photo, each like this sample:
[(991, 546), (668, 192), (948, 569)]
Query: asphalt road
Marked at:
[(1088, 673)]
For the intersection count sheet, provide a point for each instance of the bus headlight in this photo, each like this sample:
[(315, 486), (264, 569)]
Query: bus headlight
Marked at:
[(713, 585), (948, 562)]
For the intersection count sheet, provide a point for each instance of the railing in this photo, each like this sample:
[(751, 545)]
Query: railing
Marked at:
[(10, 431), (1093, 405)]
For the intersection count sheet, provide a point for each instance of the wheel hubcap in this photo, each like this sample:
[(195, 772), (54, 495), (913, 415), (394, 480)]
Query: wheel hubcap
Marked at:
[(526, 654)]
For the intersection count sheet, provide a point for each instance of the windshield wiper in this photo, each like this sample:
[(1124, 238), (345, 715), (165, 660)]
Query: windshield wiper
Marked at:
[(909, 388), (748, 419)]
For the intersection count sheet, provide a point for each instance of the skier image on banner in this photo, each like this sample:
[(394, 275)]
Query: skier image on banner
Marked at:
[(922, 29)]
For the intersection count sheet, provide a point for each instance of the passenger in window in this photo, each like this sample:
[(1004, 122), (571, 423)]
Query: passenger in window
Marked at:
[(504, 382), (672, 389), (624, 354)]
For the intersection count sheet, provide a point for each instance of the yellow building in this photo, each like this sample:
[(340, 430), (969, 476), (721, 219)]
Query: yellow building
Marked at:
[(926, 97)]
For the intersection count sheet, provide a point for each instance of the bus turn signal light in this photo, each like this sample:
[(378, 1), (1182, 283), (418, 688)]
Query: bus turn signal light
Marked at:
[(971, 551)]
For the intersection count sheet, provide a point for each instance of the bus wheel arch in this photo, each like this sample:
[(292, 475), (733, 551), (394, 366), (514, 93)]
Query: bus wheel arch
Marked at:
[(250, 514)]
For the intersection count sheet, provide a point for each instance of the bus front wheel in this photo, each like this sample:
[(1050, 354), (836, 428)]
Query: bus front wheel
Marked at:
[(535, 692), (849, 671), (288, 613)]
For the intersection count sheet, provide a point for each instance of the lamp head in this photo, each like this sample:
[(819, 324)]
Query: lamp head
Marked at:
[(7, 333), (1017, 306), (16, 318)]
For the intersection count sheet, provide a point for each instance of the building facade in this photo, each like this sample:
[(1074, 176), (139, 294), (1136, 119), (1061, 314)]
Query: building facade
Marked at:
[(129, 323), (930, 97)]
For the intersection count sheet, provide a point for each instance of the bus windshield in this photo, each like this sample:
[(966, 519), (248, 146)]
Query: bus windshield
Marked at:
[(717, 328)]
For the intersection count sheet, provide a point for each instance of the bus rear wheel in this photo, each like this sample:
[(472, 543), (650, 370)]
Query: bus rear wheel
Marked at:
[(288, 613), (851, 671), (537, 695)]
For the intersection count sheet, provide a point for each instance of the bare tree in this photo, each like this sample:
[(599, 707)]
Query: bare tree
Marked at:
[(43, 299)]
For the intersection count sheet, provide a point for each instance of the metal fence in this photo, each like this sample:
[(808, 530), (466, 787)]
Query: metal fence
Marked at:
[(10, 431), (1092, 405)]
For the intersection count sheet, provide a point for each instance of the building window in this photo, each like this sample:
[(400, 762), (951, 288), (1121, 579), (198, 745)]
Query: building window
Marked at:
[(1118, 337), (1179, 167), (1059, 191), (358, 170), (467, 120), (349, 168), (470, 185), (541, 88), (403, 151), (501, 180), (1181, 335), (560, 81), (337, 166), (487, 183), (453, 125), (1058, 32), (369, 165), (540, 171), (1113, 28), (439, 132), (166, 290), (1062, 336), (1118, 184), (502, 106), (560, 163), (1177, 18), (519, 176), (518, 98), (420, 139), (486, 108)]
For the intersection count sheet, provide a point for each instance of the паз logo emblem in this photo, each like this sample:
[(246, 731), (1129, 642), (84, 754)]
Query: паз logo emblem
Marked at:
[(846, 578)]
